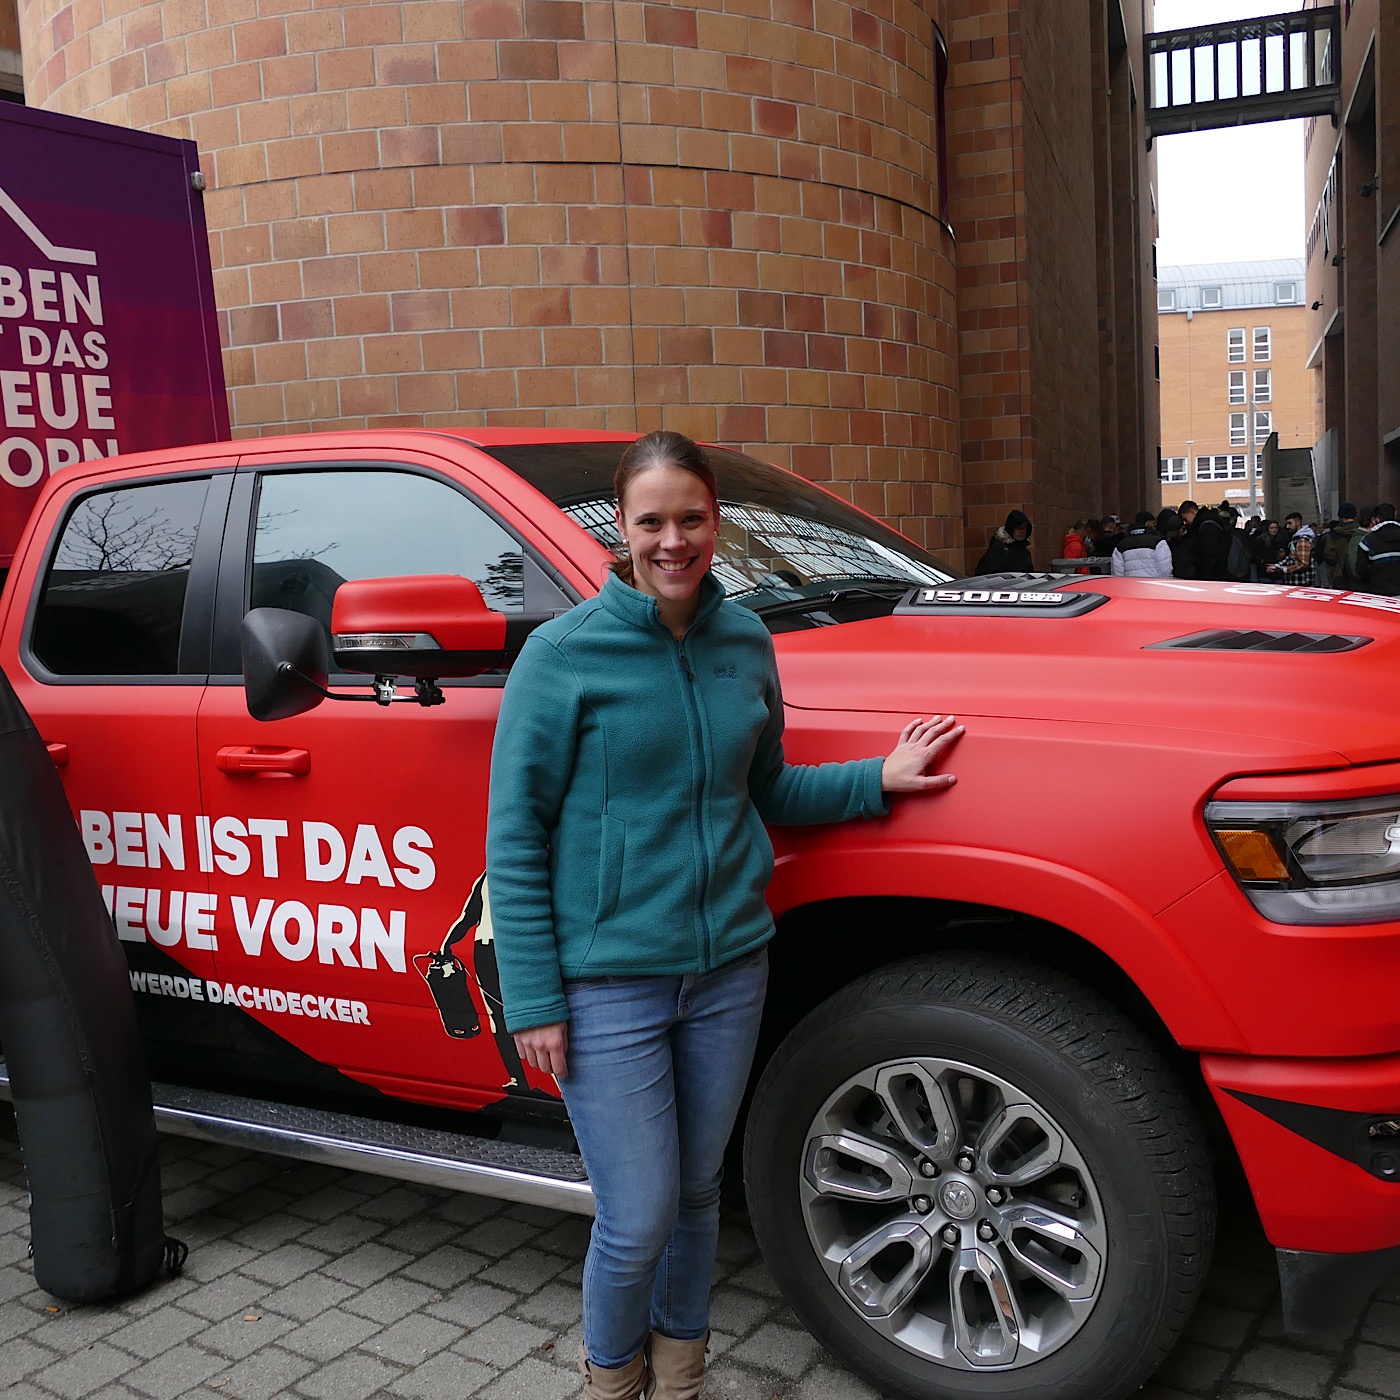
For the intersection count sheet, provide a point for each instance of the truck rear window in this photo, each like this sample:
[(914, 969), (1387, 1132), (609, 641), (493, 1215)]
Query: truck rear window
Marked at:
[(114, 593)]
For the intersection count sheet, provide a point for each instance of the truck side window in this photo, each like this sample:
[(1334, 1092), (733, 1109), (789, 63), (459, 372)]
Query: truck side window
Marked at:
[(114, 593), (317, 529)]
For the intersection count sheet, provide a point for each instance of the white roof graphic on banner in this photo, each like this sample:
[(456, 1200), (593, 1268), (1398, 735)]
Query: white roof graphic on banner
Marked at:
[(51, 251)]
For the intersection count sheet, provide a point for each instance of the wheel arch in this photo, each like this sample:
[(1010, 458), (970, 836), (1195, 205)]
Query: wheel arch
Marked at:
[(856, 909)]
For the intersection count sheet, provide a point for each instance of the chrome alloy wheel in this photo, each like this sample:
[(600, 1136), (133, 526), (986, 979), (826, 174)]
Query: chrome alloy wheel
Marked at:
[(953, 1214)]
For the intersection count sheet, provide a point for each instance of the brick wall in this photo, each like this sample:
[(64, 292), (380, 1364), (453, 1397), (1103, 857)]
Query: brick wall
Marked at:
[(1388, 254), (1061, 257), (988, 215), (1354, 329), (718, 217), (9, 26), (1052, 209), (9, 45)]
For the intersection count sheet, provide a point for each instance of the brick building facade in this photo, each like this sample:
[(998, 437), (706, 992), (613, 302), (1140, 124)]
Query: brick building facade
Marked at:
[(1234, 370), (903, 246), (11, 66), (1353, 261)]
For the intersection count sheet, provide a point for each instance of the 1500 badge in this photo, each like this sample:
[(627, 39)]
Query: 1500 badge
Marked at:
[(990, 595)]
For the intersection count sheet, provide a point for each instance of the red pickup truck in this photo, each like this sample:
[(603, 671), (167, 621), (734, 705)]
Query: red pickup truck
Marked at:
[(1014, 1035)]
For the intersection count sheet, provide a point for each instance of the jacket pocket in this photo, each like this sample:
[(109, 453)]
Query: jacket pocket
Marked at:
[(761, 841), (612, 842)]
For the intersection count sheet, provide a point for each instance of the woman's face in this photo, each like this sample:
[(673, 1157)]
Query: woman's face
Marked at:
[(1273, 528), (668, 524)]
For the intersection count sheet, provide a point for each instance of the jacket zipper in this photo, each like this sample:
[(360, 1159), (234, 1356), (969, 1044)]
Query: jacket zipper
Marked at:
[(693, 706)]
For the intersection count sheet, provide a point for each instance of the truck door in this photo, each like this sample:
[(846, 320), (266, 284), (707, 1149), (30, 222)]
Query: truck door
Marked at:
[(348, 843), (107, 642)]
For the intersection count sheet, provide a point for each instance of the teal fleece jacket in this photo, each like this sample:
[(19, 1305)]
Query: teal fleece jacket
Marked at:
[(630, 780)]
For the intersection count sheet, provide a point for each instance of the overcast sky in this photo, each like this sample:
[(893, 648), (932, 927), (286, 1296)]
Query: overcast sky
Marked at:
[(1235, 194)]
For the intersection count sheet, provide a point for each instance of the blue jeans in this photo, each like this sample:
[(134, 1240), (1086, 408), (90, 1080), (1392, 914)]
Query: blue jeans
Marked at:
[(657, 1068)]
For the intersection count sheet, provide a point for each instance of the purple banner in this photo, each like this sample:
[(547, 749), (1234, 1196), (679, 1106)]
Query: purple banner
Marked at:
[(108, 337)]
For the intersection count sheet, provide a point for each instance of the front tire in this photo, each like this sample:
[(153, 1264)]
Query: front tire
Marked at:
[(977, 1178)]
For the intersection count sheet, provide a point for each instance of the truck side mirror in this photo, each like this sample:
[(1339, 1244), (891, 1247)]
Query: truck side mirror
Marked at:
[(282, 651), (432, 625)]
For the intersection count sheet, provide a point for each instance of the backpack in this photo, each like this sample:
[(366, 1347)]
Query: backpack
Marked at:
[(1237, 563)]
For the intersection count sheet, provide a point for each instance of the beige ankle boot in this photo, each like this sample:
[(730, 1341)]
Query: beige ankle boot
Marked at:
[(677, 1367), (625, 1383)]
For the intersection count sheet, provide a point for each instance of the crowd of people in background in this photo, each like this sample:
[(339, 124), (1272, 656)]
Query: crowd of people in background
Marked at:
[(1210, 542)]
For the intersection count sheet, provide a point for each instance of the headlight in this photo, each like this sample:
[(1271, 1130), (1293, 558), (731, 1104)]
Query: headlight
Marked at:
[(1314, 862)]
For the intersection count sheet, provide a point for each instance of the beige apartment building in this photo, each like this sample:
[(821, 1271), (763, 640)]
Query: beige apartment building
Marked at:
[(1234, 352)]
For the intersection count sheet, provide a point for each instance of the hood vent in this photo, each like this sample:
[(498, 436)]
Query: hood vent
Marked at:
[(1242, 639)]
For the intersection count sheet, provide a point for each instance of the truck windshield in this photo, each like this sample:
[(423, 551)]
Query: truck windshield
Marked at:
[(782, 542)]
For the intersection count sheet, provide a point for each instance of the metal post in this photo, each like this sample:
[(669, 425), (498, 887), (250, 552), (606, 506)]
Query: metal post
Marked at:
[(1249, 460)]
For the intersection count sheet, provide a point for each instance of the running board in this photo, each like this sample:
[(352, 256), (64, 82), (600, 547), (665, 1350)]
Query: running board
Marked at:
[(507, 1171)]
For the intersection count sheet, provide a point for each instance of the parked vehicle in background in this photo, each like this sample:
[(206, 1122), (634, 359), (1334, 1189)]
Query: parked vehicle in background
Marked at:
[(1006, 1051)]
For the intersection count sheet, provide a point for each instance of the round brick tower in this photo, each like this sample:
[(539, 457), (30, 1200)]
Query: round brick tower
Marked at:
[(720, 217)]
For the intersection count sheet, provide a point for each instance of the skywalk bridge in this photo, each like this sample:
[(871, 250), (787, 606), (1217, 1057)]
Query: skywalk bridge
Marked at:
[(1265, 69)]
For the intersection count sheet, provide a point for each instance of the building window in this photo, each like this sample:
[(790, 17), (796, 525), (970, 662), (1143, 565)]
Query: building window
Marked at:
[(1285, 293), (1237, 394), (1212, 468), (1238, 471), (1239, 430), (1263, 386), (1210, 298), (1166, 299), (1173, 470), (1263, 425), (1258, 464), (1236, 346), (1263, 343)]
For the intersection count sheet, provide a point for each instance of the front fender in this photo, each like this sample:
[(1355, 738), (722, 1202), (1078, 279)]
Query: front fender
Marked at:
[(1122, 930)]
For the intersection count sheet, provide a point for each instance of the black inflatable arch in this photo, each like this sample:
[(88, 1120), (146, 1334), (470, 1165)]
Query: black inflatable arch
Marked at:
[(77, 1070)]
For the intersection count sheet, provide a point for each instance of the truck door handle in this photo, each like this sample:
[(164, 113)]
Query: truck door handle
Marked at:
[(248, 760), (59, 754)]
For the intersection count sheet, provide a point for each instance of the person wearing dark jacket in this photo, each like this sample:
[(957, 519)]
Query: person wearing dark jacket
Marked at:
[(1207, 546), (1266, 548), (1378, 554), (1338, 551), (1010, 549), (1112, 537)]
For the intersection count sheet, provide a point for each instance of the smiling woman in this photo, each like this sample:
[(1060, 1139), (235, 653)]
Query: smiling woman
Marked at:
[(638, 756), (669, 525)]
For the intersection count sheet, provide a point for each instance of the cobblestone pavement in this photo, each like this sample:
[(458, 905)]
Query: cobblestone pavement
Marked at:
[(323, 1284)]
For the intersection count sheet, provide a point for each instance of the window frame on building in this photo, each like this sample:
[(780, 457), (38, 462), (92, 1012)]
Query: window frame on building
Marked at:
[(1263, 424), (1173, 471), (1239, 392), (1263, 336), (1239, 429), (1263, 386), (1212, 298), (1235, 345), (1286, 293), (1166, 298)]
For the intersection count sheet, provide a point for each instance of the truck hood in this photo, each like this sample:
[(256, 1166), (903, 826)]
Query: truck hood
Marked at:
[(1108, 665)]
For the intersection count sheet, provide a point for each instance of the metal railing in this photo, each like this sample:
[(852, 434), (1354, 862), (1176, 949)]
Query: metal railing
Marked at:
[(1246, 70)]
